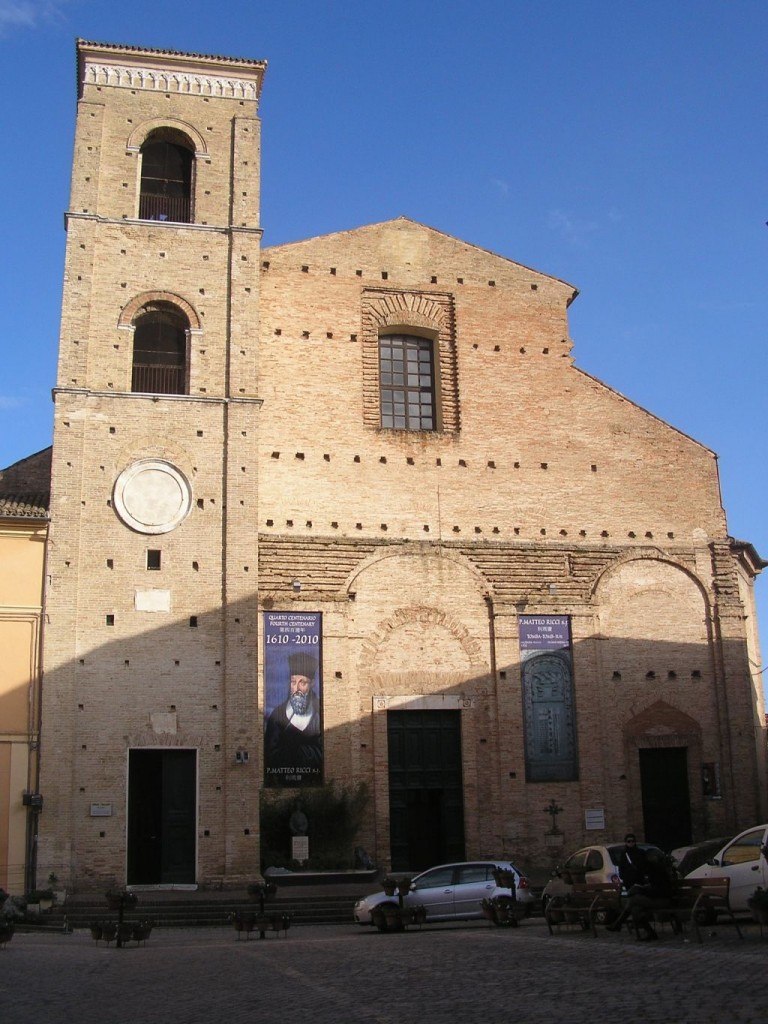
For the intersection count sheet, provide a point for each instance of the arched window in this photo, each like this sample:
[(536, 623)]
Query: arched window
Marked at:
[(407, 382), (160, 350), (167, 161)]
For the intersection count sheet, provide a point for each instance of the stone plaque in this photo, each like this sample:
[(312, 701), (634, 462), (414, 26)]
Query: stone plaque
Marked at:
[(152, 496), (300, 848)]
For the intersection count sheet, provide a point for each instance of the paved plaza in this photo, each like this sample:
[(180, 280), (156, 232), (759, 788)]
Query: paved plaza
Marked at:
[(334, 974)]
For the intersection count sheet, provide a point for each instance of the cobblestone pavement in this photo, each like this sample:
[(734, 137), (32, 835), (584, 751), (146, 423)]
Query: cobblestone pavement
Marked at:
[(336, 973)]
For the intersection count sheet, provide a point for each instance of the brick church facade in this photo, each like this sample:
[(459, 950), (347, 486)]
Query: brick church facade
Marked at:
[(365, 460)]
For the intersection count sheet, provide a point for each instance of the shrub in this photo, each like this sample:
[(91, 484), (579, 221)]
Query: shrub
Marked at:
[(334, 813)]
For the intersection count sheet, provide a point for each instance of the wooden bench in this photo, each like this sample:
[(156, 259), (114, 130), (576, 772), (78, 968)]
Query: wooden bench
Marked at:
[(587, 904), (695, 900), (698, 900)]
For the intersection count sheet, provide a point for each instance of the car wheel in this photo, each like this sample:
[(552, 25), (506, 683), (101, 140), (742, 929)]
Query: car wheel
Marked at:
[(605, 916)]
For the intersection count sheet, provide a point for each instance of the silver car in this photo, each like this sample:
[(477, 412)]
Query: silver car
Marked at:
[(450, 891)]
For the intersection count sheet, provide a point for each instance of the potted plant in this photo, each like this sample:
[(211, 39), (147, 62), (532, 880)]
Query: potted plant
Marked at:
[(39, 900), (59, 894)]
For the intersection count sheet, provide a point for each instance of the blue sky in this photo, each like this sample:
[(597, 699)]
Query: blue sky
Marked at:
[(618, 145)]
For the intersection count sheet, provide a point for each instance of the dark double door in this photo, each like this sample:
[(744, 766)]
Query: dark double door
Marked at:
[(426, 793), (161, 816), (666, 797)]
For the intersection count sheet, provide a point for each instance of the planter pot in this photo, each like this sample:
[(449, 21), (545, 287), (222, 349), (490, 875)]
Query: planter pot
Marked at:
[(760, 914), (394, 919)]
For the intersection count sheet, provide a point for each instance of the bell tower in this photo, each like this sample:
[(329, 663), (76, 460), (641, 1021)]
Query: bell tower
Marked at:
[(150, 736)]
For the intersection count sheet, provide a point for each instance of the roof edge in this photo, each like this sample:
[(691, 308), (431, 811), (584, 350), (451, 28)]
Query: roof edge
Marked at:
[(747, 554), (206, 58), (647, 412), (437, 231)]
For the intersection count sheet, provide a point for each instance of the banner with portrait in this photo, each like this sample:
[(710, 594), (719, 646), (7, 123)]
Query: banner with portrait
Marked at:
[(548, 711), (293, 716)]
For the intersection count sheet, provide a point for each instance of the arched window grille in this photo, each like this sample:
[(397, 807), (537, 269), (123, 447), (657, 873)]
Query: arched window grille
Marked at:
[(160, 351), (167, 162)]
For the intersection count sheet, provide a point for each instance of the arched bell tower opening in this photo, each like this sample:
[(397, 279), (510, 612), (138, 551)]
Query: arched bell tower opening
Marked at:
[(167, 170), (160, 344)]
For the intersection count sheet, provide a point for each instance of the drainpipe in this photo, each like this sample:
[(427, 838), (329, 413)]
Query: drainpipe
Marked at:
[(491, 635)]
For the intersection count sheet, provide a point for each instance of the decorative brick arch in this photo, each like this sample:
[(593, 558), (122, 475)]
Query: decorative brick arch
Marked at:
[(482, 584), (428, 616), (141, 132), (662, 725), (131, 310), (409, 310), (646, 554)]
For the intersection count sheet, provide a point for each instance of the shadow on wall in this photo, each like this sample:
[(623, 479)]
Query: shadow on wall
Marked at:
[(645, 734)]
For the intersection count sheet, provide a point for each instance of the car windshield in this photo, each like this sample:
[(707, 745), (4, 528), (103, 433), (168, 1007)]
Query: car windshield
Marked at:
[(575, 861)]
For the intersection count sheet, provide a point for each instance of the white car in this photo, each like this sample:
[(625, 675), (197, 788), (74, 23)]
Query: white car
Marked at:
[(450, 891), (743, 861)]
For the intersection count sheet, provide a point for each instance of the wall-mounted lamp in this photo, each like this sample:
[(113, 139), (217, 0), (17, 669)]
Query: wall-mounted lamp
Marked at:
[(296, 586)]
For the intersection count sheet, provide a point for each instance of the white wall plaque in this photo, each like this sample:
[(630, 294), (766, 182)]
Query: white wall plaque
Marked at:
[(163, 722), (101, 810), (152, 496), (152, 601), (594, 818), (300, 848)]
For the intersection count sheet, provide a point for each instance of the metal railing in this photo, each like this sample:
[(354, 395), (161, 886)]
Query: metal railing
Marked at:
[(155, 379), (176, 209)]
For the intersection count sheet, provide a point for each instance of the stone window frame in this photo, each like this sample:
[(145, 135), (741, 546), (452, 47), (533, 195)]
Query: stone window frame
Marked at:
[(421, 314)]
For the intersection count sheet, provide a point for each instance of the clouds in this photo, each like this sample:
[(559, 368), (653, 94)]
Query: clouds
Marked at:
[(575, 230), (11, 402), (15, 14)]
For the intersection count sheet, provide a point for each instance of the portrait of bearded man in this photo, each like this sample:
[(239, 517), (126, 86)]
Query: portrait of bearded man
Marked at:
[(293, 752)]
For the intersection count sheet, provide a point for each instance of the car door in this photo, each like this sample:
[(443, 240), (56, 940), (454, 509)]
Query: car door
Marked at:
[(474, 883), (744, 864), (434, 891), (575, 865), (594, 866)]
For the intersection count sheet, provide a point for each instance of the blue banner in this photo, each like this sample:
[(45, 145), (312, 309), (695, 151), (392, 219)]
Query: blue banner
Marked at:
[(293, 719)]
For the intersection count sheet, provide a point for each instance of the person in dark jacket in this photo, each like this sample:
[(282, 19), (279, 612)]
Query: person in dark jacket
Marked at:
[(632, 863), (657, 891), (653, 887)]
